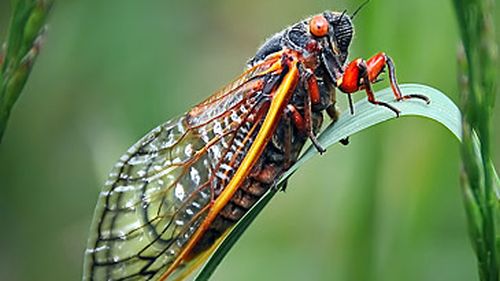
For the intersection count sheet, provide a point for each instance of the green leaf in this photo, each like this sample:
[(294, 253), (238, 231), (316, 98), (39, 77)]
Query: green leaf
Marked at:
[(441, 109)]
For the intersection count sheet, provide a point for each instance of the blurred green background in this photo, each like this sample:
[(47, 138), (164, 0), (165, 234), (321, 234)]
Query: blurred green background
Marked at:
[(386, 207)]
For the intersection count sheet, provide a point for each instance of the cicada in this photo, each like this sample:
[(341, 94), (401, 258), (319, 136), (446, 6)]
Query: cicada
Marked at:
[(177, 192)]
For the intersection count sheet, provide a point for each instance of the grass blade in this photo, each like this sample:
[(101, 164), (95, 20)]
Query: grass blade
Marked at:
[(22, 47), (478, 74)]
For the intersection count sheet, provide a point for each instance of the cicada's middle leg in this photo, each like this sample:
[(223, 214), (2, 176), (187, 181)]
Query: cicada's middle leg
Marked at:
[(312, 97)]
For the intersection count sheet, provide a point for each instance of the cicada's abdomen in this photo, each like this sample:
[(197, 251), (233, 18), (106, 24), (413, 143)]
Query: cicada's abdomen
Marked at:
[(279, 154)]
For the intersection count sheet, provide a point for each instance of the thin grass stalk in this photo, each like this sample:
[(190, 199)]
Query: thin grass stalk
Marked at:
[(26, 28), (478, 88)]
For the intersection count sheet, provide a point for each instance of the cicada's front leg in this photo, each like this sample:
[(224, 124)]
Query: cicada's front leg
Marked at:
[(360, 74)]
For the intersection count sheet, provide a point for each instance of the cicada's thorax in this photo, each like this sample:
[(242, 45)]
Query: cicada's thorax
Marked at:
[(287, 141)]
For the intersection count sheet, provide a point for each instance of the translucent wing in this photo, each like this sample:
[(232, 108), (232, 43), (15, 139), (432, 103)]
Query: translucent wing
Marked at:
[(159, 191)]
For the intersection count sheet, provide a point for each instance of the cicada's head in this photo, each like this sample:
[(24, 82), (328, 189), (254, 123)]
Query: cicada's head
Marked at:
[(329, 36), (333, 31), (322, 39)]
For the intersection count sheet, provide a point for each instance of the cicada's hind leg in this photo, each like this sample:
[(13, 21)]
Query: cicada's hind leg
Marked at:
[(288, 124), (304, 124)]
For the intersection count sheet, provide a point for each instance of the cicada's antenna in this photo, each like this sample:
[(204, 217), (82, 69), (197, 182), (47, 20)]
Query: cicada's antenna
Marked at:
[(341, 16), (359, 8)]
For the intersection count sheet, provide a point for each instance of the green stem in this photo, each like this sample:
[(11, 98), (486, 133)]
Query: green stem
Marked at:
[(478, 72), (22, 47)]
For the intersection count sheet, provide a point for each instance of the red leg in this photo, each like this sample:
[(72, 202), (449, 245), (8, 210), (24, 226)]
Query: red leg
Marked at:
[(368, 89), (313, 89), (304, 124), (297, 119), (360, 74), (288, 136), (376, 66), (308, 121), (356, 77), (314, 98)]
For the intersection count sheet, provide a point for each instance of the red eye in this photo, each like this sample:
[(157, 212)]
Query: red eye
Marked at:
[(318, 26)]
